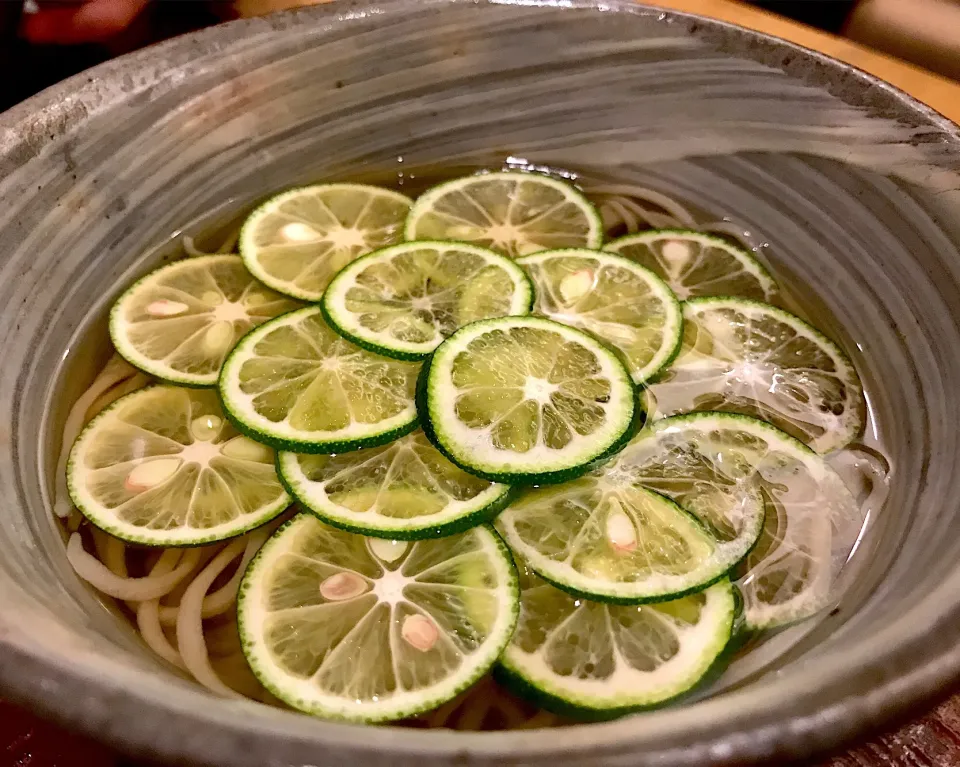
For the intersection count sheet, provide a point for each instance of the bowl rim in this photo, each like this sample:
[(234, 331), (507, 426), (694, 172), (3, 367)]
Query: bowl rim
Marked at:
[(910, 661)]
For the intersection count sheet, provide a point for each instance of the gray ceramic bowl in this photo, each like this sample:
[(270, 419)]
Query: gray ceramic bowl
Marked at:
[(853, 184)]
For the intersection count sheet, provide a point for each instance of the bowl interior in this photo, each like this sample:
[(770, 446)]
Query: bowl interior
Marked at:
[(845, 187)]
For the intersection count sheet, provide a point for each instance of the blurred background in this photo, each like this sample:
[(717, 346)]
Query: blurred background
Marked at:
[(43, 41)]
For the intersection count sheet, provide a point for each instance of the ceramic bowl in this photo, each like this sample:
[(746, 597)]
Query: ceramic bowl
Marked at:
[(849, 186)]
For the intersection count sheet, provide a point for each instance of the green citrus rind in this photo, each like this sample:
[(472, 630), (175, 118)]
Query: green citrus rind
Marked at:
[(760, 284), (458, 514), (346, 323), (672, 320), (106, 518), (120, 326), (438, 417), (530, 675), (241, 411), (303, 695), (249, 252), (426, 204)]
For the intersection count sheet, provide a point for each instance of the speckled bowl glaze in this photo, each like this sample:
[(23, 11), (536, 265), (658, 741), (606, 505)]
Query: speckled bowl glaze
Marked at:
[(853, 184)]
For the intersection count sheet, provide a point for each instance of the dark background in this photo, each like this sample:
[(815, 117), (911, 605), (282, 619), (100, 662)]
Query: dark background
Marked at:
[(26, 69)]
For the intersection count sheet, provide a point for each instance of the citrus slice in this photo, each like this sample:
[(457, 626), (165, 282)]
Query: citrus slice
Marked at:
[(295, 384), (574, 656), (618, 301), (512, 212), (362, 629), (404, 300), (163, 467), (179, 322), (744, 357), (296, 241), (526, 399), (606, 538), (696, 264), (404, 490), (807, 522)]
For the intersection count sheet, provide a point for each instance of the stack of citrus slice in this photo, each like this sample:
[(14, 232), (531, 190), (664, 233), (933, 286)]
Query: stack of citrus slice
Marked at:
[(497, 366)]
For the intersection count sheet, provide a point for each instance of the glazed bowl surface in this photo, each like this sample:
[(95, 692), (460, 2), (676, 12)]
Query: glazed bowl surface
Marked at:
[(847, 185)]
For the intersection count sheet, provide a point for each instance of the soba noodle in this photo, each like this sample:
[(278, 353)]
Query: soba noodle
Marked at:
[(229, 245), (148, 616), (629, 209), (181, 600)]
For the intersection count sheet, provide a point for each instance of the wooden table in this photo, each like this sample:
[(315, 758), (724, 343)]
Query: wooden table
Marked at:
[(940, 93), (933, 740)]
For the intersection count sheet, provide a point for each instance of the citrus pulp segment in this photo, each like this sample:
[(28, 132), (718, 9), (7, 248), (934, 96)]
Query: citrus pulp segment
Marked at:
[(511, 212), (295, 384), (179, 322), (404, 490), (525, 399), (695, 264), (295, 242), (620, 302), (163, 467), (402, 301), (745, 357), (426, 618)]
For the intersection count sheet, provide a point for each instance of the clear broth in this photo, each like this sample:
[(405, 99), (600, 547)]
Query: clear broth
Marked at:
[(866, 469)]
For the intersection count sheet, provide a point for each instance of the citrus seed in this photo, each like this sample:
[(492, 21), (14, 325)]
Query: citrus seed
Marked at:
[(151, 474), (164, 308), (299, 232), (342, 586), (419, 632)]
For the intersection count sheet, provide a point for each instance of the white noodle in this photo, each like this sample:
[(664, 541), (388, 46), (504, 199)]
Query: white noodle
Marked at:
[(190, 639), (206, 554), (663, 202), (111, 551), (122, 389), (73, 521), (625, 214), (653, 218), (230, 244), (659, 221), (608, 216), (115, 371), (226, 248), (223, 598), (148, 618), (94, 572), (191, 249)]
